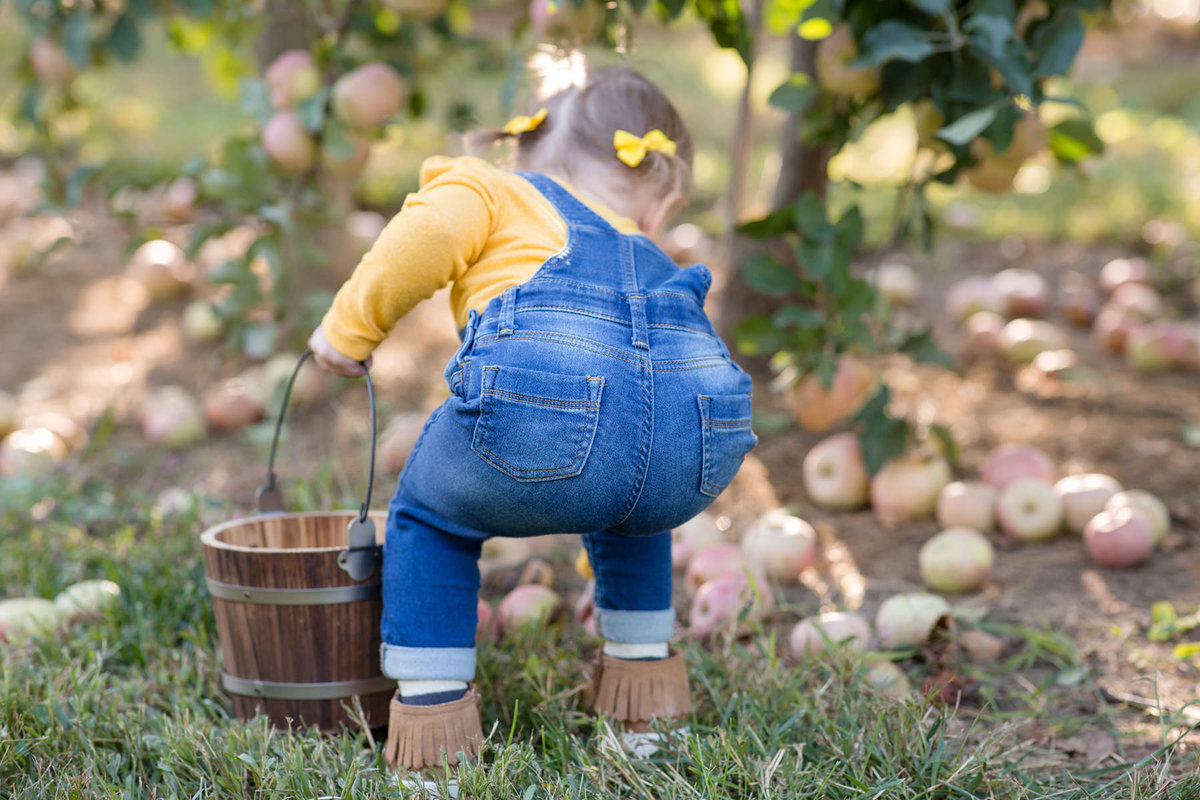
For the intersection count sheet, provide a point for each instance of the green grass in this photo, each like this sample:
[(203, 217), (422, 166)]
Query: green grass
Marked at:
[(130, 705)]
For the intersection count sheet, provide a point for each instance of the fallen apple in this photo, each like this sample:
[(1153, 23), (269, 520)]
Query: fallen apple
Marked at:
[(1155, 347), (24, 617), (1024, 291), (727, 599), (835, 475), (1149, 505), (1013, 460), (288, 143), (31, 451), (956, 560), (1024, 339), (1029, 509), (530, 606), (171, 416), (967, 505), (984, 340), (833, 66), (712, 561), (1084, 496), (1140, 300), (1112, 327), (179, 200), (201, 323), (896, 281), (780, 546), (1122, 271), (885, 677), (367, 96), (818, 408), (972, 295), (909, 620), (161, 268), (839, 629), (691, 537), (87, 599), (232, 405), (1119, 538), (908, 487), (485, 625)]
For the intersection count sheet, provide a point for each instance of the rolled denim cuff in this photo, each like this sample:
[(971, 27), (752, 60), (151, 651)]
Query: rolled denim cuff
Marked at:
[(427, 663), (637, 627)]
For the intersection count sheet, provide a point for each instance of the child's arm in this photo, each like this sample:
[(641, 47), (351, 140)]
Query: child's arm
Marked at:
[(440, 231)]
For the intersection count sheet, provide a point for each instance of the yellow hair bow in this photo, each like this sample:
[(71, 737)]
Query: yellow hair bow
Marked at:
[(632, 149), (525, 124)]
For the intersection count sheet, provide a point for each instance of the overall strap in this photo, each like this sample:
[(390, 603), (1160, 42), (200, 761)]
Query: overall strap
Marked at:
[(569, 206)]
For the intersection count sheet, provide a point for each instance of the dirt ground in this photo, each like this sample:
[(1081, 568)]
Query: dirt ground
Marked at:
[(79, 338)]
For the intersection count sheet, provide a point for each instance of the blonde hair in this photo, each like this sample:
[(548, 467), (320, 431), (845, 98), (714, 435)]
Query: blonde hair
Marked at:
[(582, 119)]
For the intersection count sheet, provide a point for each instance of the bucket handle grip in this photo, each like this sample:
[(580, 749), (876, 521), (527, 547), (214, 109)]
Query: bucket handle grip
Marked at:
[(362, 556)]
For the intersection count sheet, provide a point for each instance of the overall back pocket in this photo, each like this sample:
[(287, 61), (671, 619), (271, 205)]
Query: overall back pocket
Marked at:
[(726, 437), (536, 426)]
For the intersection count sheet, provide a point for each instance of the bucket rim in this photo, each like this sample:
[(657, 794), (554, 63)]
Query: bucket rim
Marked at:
[(209, 537)]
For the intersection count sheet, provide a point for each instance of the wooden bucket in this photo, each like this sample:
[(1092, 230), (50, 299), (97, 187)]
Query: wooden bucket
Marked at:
[(297, 604)]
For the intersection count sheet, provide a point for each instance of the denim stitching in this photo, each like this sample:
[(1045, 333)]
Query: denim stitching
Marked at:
[(583, 405), (570, 341)]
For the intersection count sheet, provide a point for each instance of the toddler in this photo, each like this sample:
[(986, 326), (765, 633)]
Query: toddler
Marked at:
[(590, 395)]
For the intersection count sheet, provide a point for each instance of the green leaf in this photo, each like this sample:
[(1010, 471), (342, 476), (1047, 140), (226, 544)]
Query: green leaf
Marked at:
[(77, 183), (875, 406), (1074, 139), (336, 143), (76, 35), (816, 258), (234, 272), (968, 126), (756, 335), (765, 273), (254, 100), (883, 439), (991, 31), (795, 94), (894, 41), (931, 6), (799, 317), (922, 349), (312, 111), (1056, 41), (808, 212), (946, 442), (124, 39), (777, 222), (826, 368)]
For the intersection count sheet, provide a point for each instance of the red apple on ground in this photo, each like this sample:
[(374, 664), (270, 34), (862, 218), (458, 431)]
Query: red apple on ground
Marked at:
[(1119, 538), (908, 487), (485, 625), (835, 475), (292, 77), (815, 635), (31, 451), (201, 322), (834, 72), (972, 295), (897, 282), (1024, 339), (1154, 510), (172, 417), (161, 268), (967, 505), (25, 617), (1189, 354), (1112, 327), (232, 405), (1121, 271), (1085, 496), (398, 440), (780, 546), (1079, 301), (1055, 363), (1141, 301), (288, 143), (818, 408), (717, 559), (984, 340), (908, 620), (87, 599), (367, 96), (691, 537), (530, 606), (727, 598), (1012, 460), (885, 677), (1024, 291), (956, 560), (179, 200), (1154, 347), (1029, 509)]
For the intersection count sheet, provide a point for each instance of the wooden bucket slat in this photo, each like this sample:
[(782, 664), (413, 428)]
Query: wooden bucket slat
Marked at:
[(295, 643)]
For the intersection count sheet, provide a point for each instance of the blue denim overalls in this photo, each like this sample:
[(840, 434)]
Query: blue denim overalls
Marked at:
[(593, 399)]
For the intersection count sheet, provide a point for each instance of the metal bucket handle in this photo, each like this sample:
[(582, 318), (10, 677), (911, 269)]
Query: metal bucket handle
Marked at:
[(360, 559)]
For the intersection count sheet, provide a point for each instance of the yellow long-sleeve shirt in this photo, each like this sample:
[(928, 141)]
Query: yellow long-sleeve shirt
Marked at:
[(471, 224)]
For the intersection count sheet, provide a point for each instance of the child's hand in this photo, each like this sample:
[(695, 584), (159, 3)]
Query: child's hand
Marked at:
[(331, 360)]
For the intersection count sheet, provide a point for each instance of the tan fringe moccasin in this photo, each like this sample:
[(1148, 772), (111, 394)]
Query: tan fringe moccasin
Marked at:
[(419, 735), (634, 692)]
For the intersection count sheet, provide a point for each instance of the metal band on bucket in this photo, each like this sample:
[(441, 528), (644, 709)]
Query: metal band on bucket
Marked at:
[(325, 596), (269, 690)]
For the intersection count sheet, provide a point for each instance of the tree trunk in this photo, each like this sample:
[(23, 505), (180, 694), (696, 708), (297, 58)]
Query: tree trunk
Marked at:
[(802, 168)]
